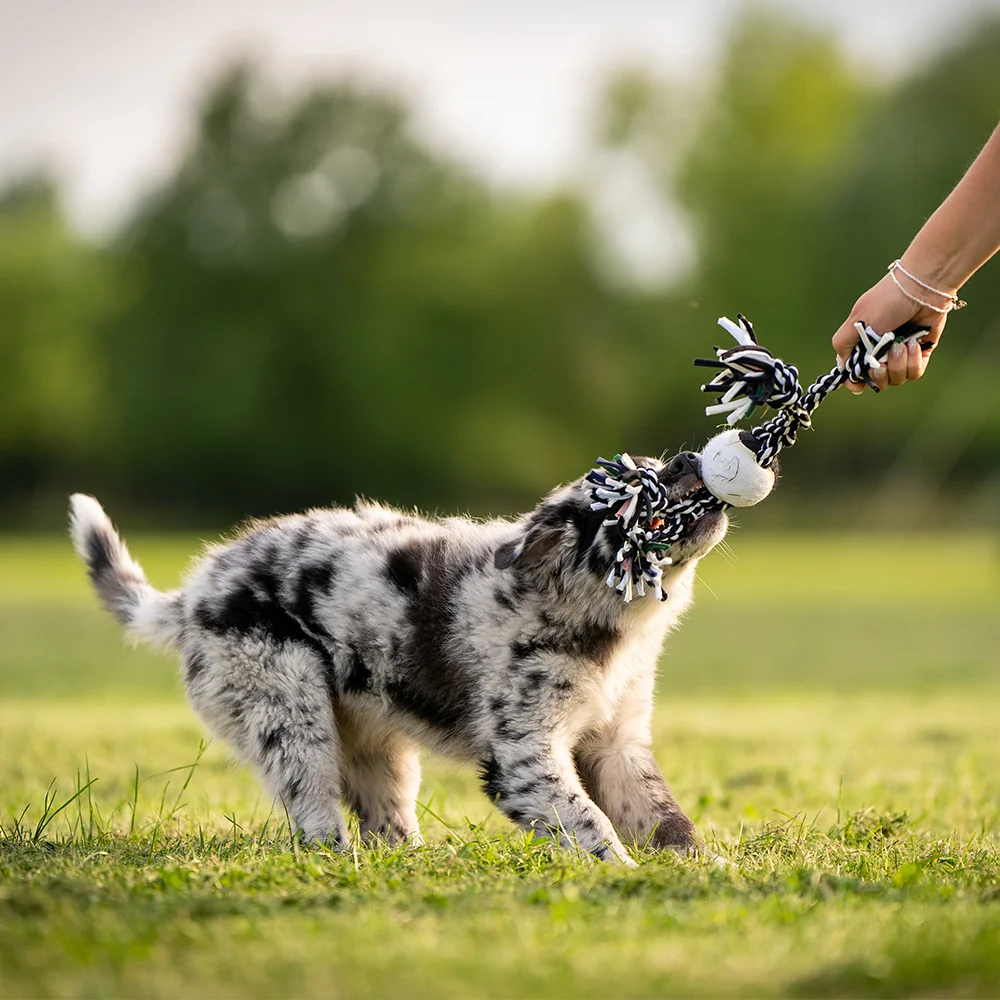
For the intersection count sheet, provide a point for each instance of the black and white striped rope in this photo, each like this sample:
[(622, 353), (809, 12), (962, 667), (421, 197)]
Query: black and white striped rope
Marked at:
[(649, 521), (750, 376)]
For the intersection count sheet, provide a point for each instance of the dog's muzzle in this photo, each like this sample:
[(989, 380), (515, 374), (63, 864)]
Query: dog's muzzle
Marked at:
[(682, 474)]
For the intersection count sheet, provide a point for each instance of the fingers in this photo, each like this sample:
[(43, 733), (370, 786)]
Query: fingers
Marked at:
[(880, 376), (843, 343), (884, 308), (916, 361), (897, 364), (919, 354), (906, 360)]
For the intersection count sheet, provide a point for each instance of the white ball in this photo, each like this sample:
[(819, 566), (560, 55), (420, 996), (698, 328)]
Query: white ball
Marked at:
[(729, 469)]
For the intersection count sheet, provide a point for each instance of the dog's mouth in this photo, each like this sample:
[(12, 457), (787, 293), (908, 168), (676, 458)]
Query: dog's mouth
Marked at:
[(680, 489), (687, 486), (700, 538), (682, 477)]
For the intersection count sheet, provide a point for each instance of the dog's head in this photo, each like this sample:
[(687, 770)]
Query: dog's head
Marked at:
[(564, 535)]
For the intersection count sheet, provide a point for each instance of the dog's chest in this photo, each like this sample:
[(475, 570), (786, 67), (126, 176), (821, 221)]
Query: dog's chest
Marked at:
[(625, 685)]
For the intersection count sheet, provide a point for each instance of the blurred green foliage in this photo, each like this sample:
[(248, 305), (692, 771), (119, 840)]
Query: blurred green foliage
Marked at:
[(316, 303)]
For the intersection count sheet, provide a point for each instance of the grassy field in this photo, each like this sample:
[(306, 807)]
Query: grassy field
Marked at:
[(831, 727)]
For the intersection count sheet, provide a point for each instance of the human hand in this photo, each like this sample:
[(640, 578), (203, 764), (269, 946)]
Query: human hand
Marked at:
[(884, 307)]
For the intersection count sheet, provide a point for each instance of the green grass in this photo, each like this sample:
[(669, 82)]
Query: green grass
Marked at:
[(831, 727)]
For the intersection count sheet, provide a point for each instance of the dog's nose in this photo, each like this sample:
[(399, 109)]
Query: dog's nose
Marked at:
[(683, 463)]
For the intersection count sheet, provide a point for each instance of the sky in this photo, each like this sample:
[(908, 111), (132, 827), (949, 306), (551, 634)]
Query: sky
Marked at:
[(101, 90)]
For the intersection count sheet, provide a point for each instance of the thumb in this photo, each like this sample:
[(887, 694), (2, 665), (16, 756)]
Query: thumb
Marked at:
[(844, 341)]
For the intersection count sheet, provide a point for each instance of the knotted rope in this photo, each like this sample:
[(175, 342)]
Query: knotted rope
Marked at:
[(750, 376), (650, 522)]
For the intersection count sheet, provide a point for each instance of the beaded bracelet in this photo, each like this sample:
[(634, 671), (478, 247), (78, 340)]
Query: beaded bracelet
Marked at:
[(954, 302)]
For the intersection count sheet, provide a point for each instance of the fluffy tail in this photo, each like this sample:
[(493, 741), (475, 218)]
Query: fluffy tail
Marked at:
[(118, 579)]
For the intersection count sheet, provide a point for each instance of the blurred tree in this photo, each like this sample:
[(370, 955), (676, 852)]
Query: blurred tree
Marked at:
[(52, 290), (322, 307), (801, 182), (315, 303)]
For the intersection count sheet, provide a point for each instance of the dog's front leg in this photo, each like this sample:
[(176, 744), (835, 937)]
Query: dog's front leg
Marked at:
[(618, 769), (537, 787), (626, 782)]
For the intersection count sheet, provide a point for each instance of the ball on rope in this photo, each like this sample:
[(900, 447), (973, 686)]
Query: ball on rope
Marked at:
[(733, 474), (730, 471)]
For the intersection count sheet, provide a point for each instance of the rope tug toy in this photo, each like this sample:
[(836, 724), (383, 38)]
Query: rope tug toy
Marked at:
[(735, 465)]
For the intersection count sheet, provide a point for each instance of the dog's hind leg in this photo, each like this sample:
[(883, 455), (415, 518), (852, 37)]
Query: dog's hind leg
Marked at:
[(269, 700), (381, 778)]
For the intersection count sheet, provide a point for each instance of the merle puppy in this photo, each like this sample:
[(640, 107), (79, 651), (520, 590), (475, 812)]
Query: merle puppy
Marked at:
[(326, 646)]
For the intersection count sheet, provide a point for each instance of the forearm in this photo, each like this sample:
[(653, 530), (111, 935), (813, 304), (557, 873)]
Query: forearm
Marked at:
[(965, 231)]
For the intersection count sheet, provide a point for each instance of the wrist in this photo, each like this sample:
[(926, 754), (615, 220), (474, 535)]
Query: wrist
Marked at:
[(942, 271), (920, 293)]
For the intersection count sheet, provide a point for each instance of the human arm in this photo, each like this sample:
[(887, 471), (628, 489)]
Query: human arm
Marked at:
[(951, 246)]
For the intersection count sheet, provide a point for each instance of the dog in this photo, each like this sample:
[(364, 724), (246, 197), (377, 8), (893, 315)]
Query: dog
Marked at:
[(325, 647)]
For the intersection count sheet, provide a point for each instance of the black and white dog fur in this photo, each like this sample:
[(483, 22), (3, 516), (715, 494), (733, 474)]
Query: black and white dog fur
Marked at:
[(324, 647)]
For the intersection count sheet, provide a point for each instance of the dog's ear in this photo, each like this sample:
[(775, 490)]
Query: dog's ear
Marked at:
[(530, 548), (508, 553)]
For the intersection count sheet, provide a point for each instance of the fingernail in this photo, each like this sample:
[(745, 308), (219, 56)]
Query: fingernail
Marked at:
[(897, 350), (840, 363)]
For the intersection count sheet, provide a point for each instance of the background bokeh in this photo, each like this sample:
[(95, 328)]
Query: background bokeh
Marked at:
[(319, 296)]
